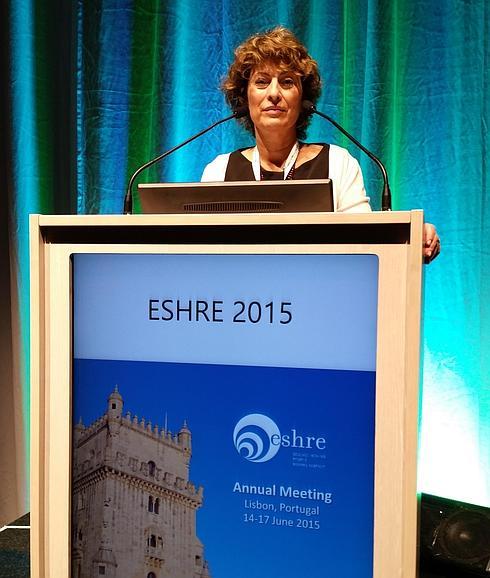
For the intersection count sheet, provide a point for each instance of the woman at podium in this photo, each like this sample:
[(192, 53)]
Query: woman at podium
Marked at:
[(273, 74)]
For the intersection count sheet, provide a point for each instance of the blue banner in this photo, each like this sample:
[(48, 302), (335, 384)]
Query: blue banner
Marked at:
[(261, 467)]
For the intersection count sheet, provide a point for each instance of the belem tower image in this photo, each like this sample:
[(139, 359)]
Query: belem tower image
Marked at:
[(134, 508)]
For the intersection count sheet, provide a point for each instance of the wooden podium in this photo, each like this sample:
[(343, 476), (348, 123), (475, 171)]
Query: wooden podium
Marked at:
[(396, 238)]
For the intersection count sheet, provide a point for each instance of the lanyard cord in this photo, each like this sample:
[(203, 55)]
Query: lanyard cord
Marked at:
[(288, 165)]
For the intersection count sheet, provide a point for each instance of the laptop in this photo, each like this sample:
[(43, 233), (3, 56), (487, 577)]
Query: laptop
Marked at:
[(285, 196)]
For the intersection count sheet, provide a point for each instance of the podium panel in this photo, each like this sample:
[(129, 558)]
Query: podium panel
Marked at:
[(206, 389)]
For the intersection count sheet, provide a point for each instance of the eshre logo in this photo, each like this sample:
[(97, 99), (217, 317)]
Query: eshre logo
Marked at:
[(257, 438)]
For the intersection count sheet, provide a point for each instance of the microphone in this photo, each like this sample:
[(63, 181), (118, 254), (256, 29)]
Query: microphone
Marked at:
[(310, 108), (128, 199)]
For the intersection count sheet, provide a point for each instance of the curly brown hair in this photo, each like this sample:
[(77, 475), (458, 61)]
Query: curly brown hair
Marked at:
[(280, 47)]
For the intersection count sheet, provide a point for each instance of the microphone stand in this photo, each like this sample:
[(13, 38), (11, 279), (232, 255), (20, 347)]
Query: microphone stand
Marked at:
[(128, 199), (386, 195)]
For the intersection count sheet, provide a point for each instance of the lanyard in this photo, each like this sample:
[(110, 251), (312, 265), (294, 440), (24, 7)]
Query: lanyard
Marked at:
[(289, 164)]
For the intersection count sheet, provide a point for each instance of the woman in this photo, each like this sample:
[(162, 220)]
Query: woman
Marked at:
[(273, 74)]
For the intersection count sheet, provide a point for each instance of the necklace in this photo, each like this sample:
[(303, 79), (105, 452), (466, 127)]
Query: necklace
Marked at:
[(289, 165)]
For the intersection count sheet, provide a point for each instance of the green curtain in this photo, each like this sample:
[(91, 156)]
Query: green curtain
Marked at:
[(97, 87)]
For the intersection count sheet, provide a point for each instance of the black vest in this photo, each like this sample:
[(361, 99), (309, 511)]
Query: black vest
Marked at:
[(239, 168)]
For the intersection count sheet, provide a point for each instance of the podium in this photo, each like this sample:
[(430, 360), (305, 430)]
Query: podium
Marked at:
[(276, 247)]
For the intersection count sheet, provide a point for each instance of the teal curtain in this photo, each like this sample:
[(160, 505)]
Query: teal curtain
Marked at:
[(97, 87)]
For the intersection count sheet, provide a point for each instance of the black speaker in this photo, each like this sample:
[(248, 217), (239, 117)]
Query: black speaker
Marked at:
[(455, 534)]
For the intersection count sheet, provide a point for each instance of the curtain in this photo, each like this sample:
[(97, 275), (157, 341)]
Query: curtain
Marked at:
[(95, 88)]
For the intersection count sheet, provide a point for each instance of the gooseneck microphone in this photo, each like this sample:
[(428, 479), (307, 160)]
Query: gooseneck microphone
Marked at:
[(310, 108), (128, 199)]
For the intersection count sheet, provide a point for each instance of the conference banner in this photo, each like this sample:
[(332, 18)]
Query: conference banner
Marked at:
[(223, 415)]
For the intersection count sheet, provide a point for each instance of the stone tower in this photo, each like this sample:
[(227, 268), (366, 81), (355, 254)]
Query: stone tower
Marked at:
[(134, 508)]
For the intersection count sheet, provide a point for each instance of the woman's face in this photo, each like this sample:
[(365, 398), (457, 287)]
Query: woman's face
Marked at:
[(274, 98)]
